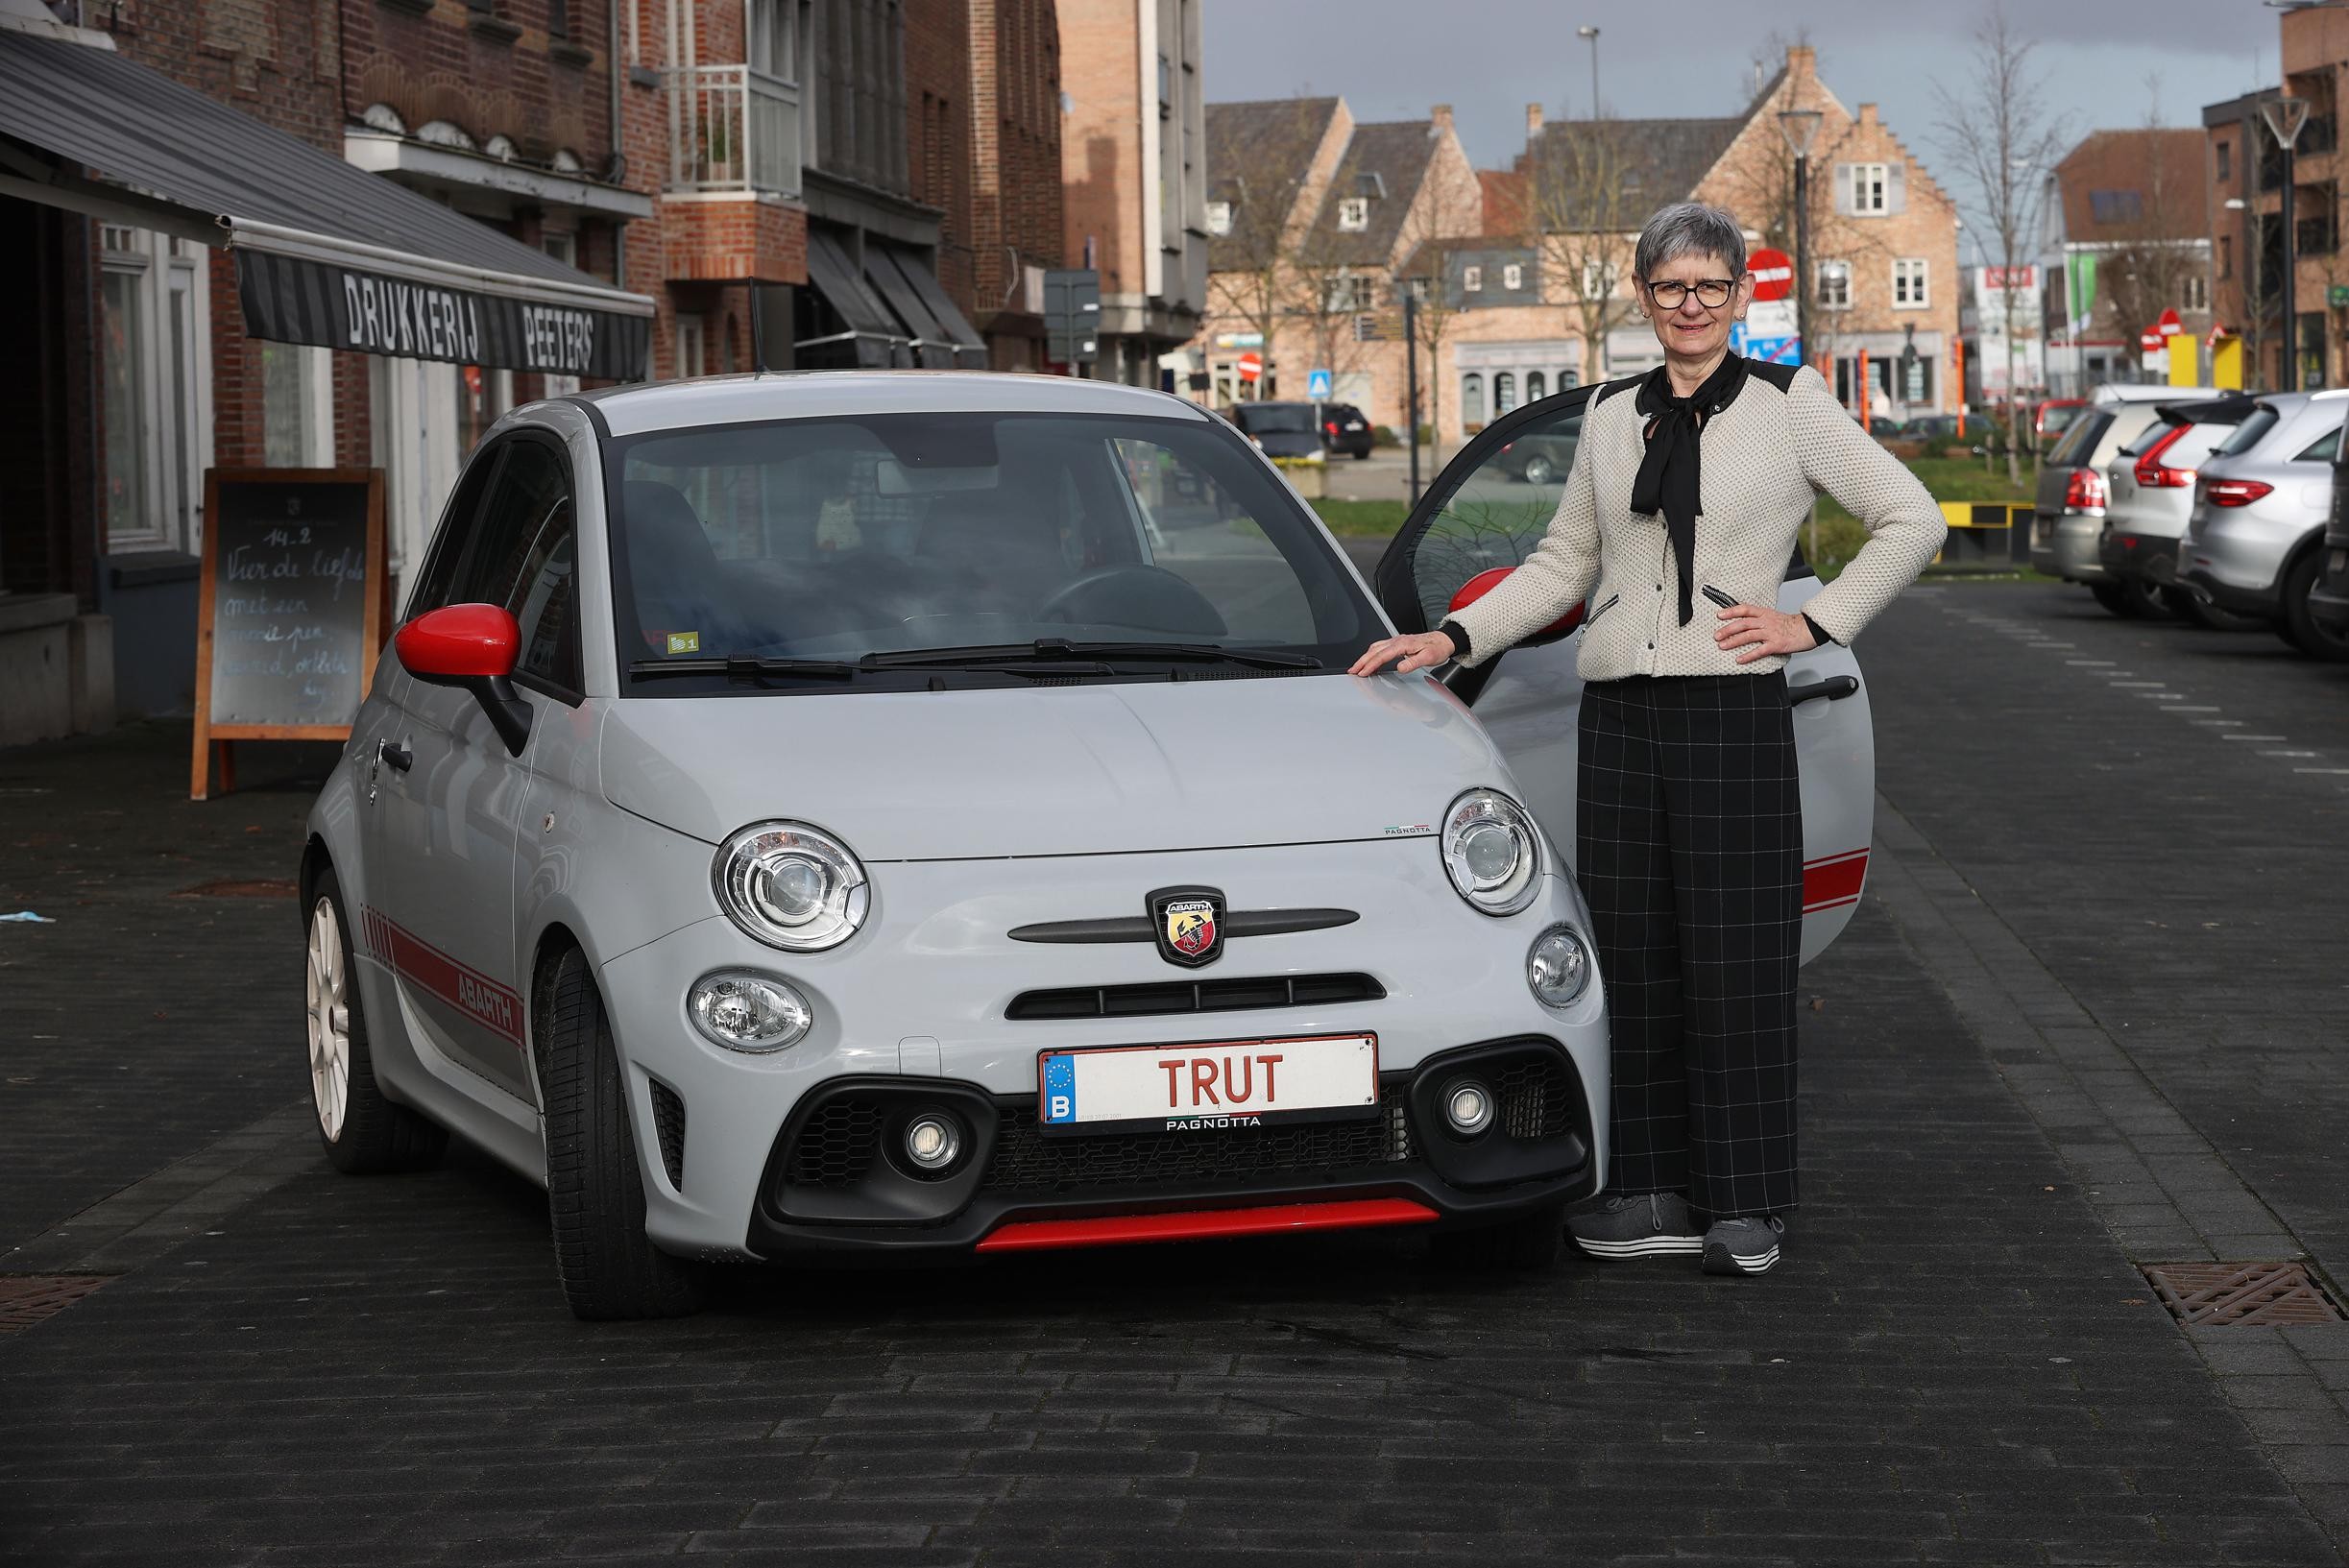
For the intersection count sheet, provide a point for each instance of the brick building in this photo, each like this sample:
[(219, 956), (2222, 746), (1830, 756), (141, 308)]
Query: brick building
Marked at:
[(1133, 170), (2126, 236)]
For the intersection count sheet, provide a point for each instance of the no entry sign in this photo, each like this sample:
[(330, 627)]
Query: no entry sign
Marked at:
[(1773, 274), (1252, 366)]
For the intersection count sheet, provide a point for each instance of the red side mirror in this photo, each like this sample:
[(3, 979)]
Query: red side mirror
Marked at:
[(459, 644), (1490, 578), (472, 647)]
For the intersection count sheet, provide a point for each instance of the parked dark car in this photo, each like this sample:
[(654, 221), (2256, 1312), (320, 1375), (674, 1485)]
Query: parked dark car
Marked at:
[(1539, 458), (1931, 427), (1280, 429), (1343, 429)]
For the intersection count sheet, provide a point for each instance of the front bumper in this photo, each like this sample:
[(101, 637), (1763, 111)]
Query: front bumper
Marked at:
[(922, 997), (834, 1186), (2065, 546)]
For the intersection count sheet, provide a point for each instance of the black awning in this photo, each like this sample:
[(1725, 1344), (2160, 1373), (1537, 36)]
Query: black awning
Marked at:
[(970, 349), (874, 334), (327, 253), (931, 349)]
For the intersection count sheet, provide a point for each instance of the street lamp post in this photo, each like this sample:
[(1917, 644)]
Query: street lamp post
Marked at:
[(1410, 288), (1590, 36), (2284, 117), (1800, 128)]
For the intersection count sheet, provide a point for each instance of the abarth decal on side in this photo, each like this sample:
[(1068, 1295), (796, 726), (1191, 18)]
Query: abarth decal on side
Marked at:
[(494, 1007)]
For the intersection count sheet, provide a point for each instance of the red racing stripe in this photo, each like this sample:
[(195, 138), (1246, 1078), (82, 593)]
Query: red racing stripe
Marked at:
[(1833, 881), (495, 1007), (1116, 1230)]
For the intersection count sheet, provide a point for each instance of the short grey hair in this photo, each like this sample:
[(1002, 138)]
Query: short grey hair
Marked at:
[(1690, 229)]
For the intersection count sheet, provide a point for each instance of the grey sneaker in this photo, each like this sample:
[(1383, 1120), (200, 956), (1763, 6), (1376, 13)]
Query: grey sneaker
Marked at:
[(1743, 1247), (1635, 1225)]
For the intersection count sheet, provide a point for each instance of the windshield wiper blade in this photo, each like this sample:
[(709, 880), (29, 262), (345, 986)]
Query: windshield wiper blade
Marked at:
[(742, 667), (1054, 648)]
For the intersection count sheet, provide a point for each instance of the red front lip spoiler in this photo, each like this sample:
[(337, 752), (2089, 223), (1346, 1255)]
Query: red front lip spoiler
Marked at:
[(1121, 1230)]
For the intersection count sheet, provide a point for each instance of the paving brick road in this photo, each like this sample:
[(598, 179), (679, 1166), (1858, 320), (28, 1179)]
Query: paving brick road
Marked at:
[(2006, 1103)]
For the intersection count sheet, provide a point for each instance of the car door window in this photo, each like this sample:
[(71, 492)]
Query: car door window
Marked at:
[(1491, 506), (523, 557), (455, 534), (2322, 451)]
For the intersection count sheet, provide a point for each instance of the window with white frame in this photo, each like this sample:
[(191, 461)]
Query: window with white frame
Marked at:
[(1504, 392), (772, 42), (1354, 214), (155, 386), (1601, 279), (1512, 277), (1908, 281), (2197, 292), (1472, 398), (1835, 285), (1869, 183), (1219, 217), (692, 347), (296, 407), (1472, 279)]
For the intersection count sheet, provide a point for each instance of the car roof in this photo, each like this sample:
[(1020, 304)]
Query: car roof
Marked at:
[(2148, 392), (806, 394)]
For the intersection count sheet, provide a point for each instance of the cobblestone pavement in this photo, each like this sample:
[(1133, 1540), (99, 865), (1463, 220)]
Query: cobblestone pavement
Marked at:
[(1959, 1361)]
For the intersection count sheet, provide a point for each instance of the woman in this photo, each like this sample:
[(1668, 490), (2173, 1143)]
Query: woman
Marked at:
[(1688, 488)]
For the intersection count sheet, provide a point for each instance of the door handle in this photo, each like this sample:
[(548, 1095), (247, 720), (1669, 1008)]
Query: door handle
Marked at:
[(1832, 688), (398, 757)]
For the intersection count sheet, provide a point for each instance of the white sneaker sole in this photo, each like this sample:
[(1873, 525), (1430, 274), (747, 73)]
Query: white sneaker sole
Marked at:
[(1645, 1246), (1717, 1258)]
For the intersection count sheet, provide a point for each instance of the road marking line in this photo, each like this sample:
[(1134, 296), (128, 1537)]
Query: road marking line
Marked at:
[(2321, 770), (2254, 737), (2192, 708), (2096, 664), (2139, 682), (2287, 754), (2221, 723)]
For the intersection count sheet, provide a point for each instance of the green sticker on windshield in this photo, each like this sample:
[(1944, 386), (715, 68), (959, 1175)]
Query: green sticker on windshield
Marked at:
[(685, 643)]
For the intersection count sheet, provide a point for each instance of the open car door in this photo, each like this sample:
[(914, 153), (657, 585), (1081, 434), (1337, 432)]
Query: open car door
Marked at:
[(1484, 515)]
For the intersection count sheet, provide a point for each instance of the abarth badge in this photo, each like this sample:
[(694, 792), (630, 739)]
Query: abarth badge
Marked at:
[(1189, 924)]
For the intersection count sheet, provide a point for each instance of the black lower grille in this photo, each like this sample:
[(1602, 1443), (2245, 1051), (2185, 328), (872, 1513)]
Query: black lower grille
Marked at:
[(1216, 996), (837, 1146), (1536, 1098), (1027, 1163), (668, 1126)]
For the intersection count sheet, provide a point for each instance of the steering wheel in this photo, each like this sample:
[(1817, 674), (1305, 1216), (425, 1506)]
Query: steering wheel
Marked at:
[(1148, 598)]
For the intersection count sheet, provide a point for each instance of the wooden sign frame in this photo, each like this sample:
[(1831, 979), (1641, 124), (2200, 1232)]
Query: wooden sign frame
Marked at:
[(213, 766)]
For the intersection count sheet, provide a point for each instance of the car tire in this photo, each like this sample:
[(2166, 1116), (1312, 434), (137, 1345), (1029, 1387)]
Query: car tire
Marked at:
[(1530, 1241), (610, 1269), (2299, 627), (2109, 595), (363, 1131), (2141, 600), (1538, 471)]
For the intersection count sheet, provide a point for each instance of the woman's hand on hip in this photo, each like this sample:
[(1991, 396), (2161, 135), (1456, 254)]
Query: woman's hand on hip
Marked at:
[(1417, 650), (1750, 631)]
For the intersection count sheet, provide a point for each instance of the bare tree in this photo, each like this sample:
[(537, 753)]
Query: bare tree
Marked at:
[(1448, 215), (1266, 181), (1582, 184), (1997, 129)]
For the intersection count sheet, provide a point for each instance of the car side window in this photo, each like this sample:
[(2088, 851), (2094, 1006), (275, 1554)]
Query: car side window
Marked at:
[(455, 534), (1499, 509), (524, 557), (2322, 451)]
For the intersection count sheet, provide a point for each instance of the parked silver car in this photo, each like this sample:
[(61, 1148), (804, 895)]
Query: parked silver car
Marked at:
[(2252, 543), (2070, 506), (812, 815), (2149, 487)]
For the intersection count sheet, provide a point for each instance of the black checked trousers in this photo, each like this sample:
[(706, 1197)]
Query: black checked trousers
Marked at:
[(1690, 829)]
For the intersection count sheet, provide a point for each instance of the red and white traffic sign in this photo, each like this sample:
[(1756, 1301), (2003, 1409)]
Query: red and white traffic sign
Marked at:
[(1252, 366), (1773, 274), (2170, 326)]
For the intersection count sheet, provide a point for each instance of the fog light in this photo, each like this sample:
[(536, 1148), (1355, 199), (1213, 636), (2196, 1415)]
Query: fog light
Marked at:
[(1467, 1105), (1558, 966), (934, 1139), (748, 1012)]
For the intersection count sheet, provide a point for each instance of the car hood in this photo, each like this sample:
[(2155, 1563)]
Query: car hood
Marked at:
[(1057, 770)]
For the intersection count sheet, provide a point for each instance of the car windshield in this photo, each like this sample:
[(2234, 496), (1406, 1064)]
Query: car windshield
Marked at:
[(2056, 420), (1269, 417), (2079, 440), (878, 551)]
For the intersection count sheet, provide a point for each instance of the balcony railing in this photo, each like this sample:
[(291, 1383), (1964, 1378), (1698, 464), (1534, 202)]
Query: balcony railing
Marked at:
[(733, 129)]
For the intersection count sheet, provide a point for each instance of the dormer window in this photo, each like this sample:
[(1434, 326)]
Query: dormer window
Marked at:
[(1354, 214), (1472, 279), (1512, 277)]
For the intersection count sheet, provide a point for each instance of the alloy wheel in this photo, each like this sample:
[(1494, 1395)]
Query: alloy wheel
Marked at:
[(330, 1020)]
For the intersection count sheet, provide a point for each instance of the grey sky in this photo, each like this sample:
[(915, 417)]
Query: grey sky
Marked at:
[(1489, 58)]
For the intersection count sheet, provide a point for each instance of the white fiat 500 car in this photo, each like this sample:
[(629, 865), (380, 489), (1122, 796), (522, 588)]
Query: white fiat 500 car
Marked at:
[(924, 813)]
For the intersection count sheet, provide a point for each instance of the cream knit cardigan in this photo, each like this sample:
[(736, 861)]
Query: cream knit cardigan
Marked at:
[(1765, 455)]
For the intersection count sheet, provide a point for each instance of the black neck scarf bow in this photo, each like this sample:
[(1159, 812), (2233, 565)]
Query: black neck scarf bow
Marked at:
[(1670, 476)]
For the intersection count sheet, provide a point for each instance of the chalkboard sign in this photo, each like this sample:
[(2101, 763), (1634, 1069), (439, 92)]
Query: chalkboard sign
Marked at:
[(293, 609)]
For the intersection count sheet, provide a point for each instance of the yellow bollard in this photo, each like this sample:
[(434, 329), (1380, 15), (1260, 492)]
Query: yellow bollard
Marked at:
[(2227, 363)]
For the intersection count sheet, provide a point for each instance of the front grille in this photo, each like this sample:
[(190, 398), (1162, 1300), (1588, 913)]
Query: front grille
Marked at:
[(836, 1147), (1219, 996), (668, 1126), (1536, 1100), (1028, 1164)]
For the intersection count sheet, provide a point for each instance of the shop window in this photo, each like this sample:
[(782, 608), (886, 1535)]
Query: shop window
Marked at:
[(296, 407), (1504, 392), (1472, 398), (155, 388)]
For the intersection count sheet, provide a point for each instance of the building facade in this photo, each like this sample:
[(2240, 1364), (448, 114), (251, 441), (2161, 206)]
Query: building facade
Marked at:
[(2126, 239)]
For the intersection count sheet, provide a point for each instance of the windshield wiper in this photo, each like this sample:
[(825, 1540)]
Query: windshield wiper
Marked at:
[(1061, 648), (743, 667)]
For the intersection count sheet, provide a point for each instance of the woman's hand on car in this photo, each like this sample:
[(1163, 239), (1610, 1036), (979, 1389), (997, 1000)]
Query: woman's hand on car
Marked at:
[(1760, 633), (1417, 650)]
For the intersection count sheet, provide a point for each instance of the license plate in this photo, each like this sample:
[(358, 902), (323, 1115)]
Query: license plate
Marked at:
[(1205, 1088)]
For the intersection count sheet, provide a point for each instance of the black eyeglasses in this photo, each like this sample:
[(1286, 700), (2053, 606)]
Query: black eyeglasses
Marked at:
[(1712, 293)]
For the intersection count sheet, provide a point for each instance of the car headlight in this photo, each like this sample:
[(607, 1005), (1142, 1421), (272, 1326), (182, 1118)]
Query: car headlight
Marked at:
[(1558, 967), (1491, 851), (743, 1011), (790, 885)]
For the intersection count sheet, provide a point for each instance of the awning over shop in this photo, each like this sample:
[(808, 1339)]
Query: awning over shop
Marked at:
[(894, 309), (327, 253)]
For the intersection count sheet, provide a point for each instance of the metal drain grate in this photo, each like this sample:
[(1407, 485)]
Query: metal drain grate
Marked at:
[(230, 887), (26, 1299), (2248, 1294)]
